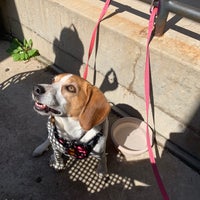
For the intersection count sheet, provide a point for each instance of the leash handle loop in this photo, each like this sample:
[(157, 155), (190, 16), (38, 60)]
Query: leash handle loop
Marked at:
[(93, 38), (154, 12)]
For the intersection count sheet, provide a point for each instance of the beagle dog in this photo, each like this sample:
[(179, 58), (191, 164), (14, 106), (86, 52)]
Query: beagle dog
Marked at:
[(77, 124)]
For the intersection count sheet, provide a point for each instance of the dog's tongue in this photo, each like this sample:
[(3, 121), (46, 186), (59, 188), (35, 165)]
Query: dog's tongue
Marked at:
[(40, 106)]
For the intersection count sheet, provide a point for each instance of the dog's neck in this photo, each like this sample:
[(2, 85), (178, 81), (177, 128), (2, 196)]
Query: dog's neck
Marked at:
[(70, 129)]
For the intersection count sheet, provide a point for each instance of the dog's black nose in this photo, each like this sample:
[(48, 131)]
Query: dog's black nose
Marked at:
[(38, 89)]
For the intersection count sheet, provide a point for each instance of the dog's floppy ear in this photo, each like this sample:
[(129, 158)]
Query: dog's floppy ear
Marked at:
[(96, 109)]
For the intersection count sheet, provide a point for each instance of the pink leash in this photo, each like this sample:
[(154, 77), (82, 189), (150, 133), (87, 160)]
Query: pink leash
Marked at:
[(94, 33), (147, 99), (147, 86)]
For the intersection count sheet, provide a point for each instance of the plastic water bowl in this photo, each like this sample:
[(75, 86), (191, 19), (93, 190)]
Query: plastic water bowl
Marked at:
[(129, 136)]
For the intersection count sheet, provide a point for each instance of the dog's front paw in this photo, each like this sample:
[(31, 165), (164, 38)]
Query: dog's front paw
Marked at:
[(41, 148), (57, 165), (101, 171), (102, 166)]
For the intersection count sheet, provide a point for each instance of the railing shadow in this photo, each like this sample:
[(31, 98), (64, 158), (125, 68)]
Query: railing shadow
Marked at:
[(170, 24)]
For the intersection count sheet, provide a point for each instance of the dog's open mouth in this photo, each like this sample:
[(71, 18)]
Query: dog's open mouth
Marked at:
[(44, 108)]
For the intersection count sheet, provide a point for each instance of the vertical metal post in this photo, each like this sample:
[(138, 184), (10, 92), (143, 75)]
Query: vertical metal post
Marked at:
[(162, 17)]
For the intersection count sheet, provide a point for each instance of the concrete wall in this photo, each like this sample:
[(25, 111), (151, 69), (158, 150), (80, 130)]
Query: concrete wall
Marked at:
[(61, 31)]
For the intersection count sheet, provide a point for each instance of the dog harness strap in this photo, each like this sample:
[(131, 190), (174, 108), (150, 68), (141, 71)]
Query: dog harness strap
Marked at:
[(73, 148)]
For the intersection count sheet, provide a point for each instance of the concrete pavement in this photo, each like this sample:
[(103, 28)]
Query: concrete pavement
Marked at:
[(23, 177)]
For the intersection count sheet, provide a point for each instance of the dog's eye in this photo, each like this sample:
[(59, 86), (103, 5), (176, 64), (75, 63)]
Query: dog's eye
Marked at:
[(70, 88)]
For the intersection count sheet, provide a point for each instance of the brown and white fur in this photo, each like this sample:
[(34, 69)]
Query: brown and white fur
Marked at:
[(79, 109)]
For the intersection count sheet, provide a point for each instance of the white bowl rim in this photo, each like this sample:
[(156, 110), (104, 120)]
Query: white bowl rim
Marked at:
[(141, 123)]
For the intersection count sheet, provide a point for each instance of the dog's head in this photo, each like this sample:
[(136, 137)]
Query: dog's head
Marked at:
[(71, 96)]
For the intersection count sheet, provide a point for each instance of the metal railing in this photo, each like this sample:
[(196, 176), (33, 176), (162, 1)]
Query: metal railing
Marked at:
[(190, 10), (179, 8)]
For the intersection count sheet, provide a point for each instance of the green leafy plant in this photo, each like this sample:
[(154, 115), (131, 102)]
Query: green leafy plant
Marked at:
[(22, 51)]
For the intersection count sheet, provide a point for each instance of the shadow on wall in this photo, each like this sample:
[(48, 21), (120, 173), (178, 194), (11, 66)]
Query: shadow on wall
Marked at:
[(68, 51), (10, 25), (110, 81), (173, 24)]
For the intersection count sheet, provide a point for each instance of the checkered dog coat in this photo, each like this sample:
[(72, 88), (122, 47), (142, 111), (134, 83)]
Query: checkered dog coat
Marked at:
[(70, 148)]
